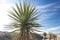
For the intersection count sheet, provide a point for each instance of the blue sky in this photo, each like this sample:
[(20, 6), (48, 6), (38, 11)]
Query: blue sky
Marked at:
[(50, 18), (49, 10)]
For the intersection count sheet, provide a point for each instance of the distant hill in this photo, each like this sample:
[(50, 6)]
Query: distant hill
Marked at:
[(5, 36), (12, 36), (8, 36)]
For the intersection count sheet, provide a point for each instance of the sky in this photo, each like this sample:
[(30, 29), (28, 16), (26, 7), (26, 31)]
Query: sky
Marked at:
[(48, 9)]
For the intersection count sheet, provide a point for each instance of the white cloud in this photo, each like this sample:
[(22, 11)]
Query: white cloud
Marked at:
[(3, 1), (54, 28), (57, 32), (4, 7), (45, 16), (47, 10), (45, 6), (48, 7), (57, 7)]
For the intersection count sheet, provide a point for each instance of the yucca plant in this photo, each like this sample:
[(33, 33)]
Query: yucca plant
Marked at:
[(45, 34), (24, 19), (55, 37), (50, 36)]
